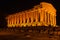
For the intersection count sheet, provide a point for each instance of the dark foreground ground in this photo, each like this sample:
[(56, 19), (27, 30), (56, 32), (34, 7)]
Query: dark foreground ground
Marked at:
[(28, 35)]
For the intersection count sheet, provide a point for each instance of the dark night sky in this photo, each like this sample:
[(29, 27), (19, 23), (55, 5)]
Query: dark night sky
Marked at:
[(11, 6)]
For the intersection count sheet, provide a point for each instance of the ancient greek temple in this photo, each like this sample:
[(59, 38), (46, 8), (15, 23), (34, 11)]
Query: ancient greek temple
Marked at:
[(43, 14)]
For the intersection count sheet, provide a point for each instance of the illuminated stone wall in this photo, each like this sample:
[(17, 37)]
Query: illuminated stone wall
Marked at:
[(40, 15)]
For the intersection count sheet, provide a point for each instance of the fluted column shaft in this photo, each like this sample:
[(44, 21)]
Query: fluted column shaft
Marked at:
[(24, 17), (48, 18), (54, 20), (27, 17), (36, 16), (41, 17), (45, 17), (20, 19)]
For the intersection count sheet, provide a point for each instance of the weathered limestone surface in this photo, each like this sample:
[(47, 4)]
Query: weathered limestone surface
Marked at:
[(40, 15)]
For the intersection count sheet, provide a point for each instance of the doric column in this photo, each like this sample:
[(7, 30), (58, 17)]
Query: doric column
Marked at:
[(15, 21), (45, 17), (36, 16), (48, 18), (54, 20), (12, 21), (9, 22), (20, 20), (41, 20), (24, 17), (40, 15), (27, 17), (31, 17)]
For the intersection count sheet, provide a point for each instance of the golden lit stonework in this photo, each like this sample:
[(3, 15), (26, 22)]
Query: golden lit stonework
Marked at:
[(40, 15)]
